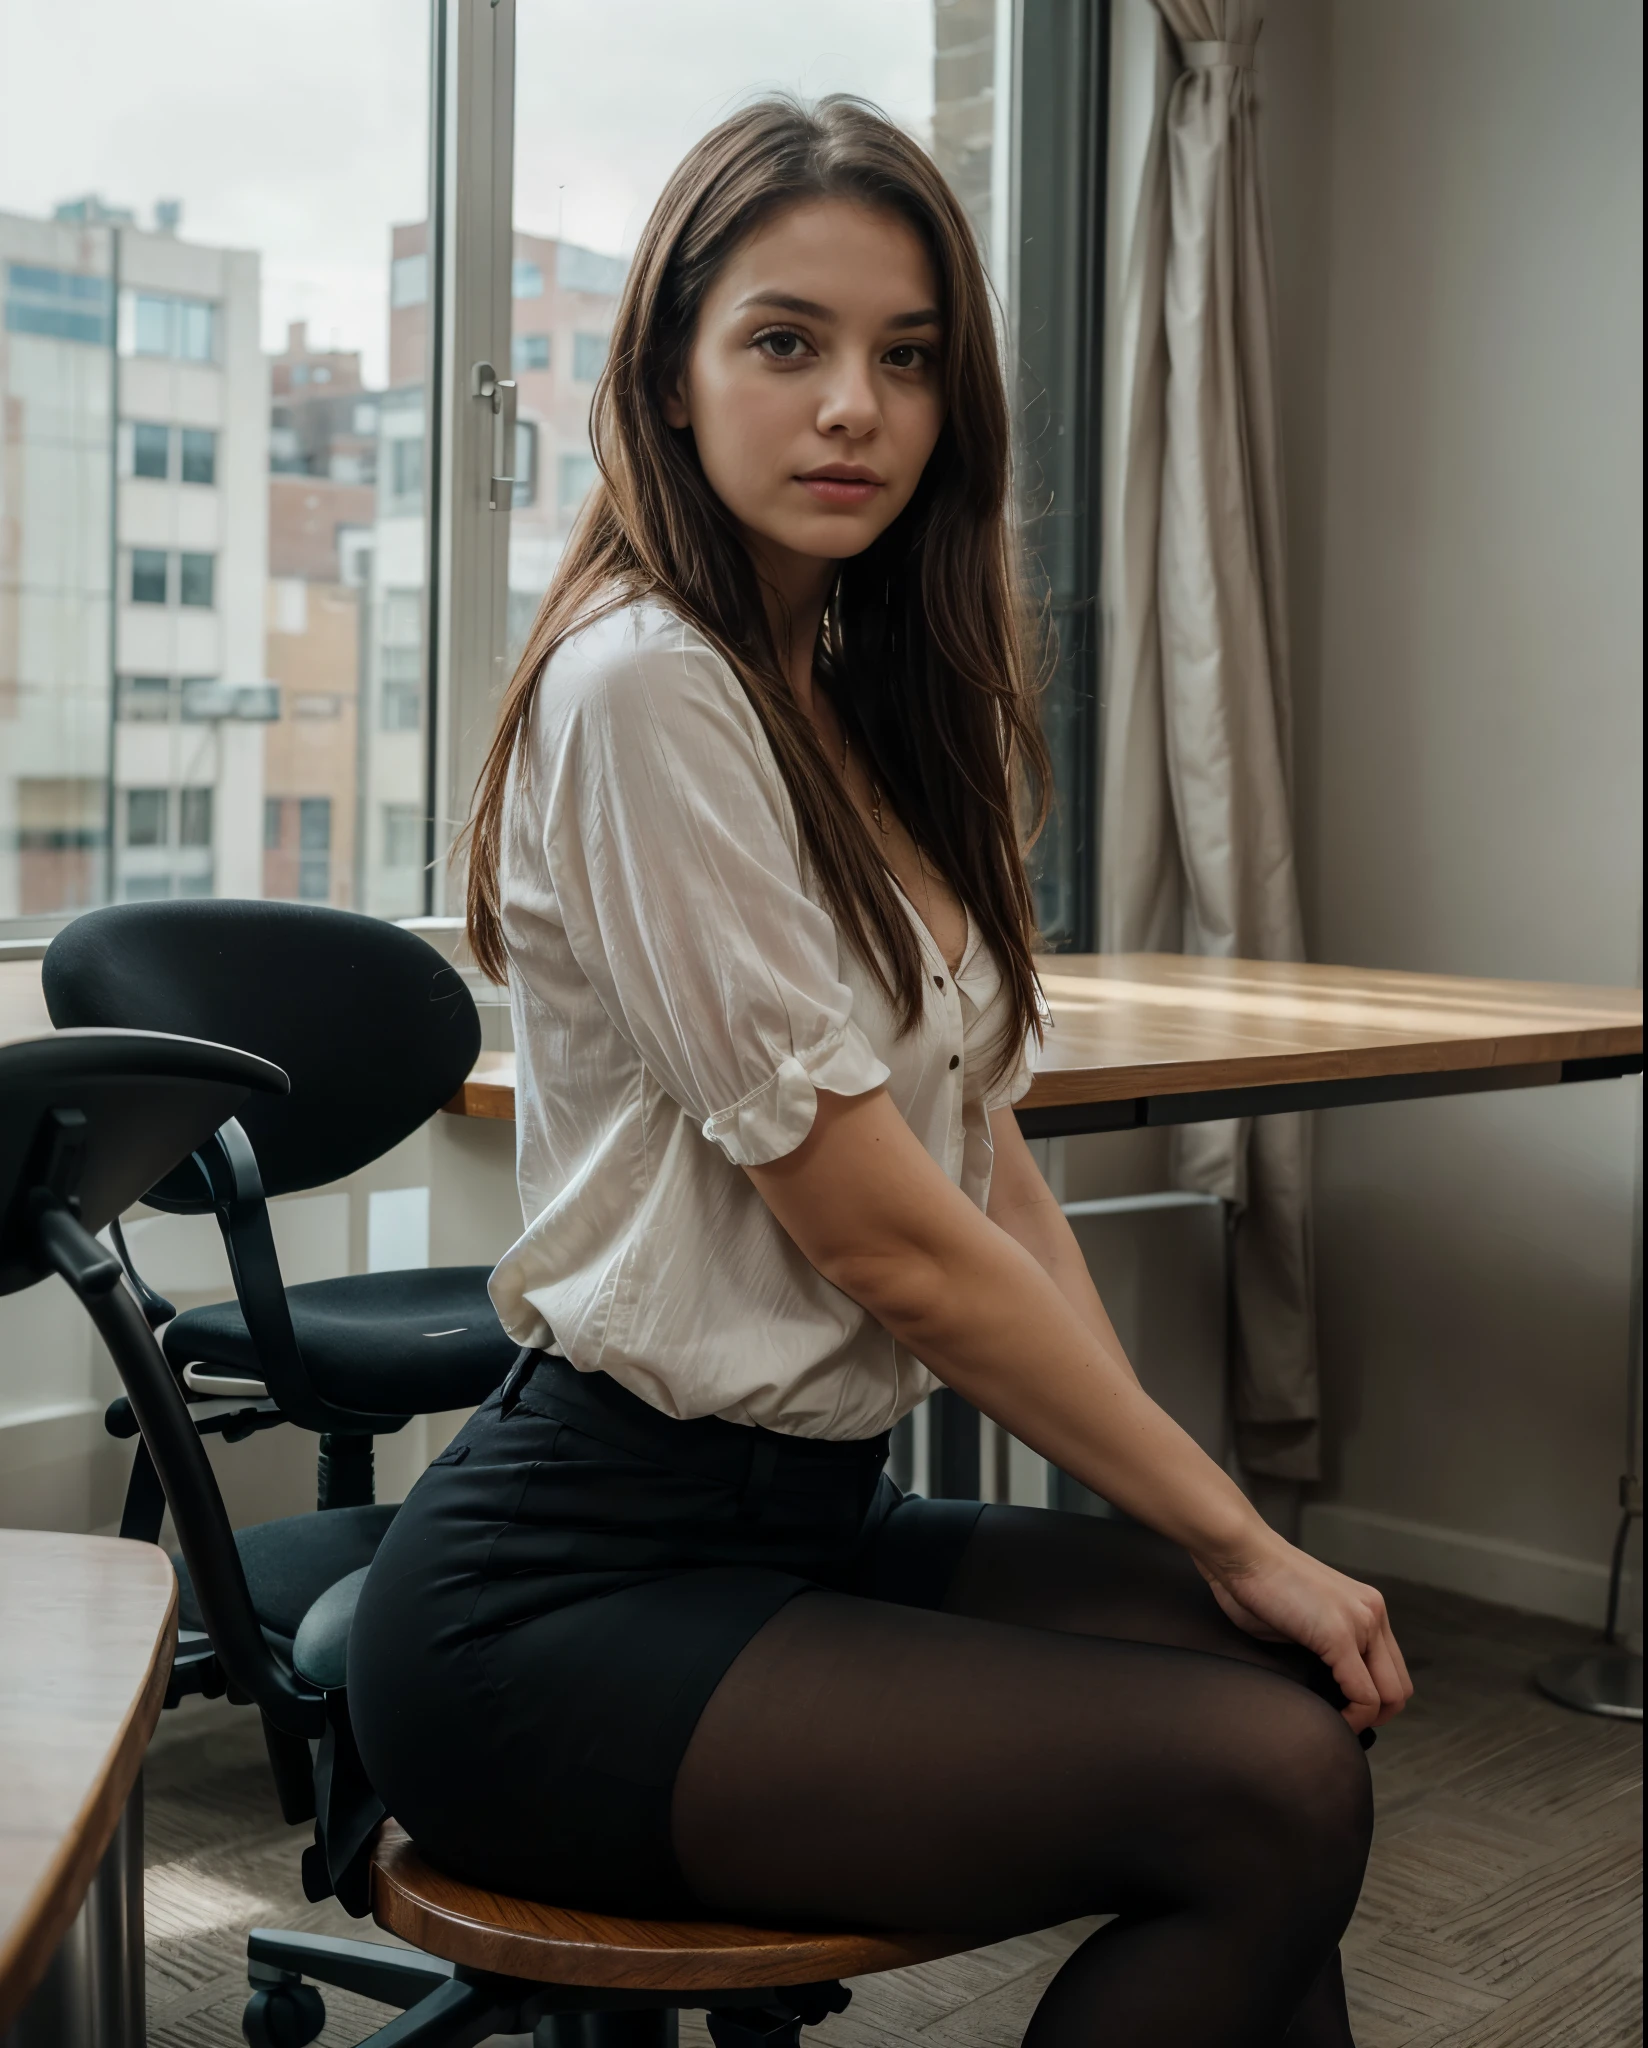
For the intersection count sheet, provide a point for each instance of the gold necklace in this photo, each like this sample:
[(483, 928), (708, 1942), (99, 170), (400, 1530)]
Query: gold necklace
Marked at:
[(875, 787), (926, 912)]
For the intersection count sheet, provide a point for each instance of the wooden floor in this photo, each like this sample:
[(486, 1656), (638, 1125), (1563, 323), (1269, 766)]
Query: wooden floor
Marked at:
[(1502, 1908)]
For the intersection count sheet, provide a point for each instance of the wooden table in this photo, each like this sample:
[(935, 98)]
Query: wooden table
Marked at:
[(87, 1629), (1158, 1038), (1144, 1039)]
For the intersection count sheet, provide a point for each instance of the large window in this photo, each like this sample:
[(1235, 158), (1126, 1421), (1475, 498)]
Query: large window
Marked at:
[(198, 263), (270, 546)]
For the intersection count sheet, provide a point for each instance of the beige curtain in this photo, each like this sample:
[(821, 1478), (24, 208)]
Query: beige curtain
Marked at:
[(1197, 852)]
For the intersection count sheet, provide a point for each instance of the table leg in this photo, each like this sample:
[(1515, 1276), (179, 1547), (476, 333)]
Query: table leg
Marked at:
[(1608, 1680), (92, 1995)]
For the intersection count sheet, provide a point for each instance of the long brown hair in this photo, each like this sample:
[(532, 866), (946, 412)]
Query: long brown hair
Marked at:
[(928, 646)]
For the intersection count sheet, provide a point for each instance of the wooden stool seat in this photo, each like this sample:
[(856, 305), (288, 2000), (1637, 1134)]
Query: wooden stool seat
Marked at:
[(482, 1930)]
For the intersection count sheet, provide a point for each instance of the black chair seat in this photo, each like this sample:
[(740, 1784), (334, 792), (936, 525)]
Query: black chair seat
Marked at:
[(410, 1343), (320, 1650), (289, 1564)]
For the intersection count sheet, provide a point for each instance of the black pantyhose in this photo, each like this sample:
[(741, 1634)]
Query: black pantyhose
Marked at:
[(1081, 1731)]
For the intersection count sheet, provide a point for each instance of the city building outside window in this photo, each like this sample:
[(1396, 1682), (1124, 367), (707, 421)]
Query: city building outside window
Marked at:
[(148, 817), (196, 576), (151, 449), (146, 699), (401, 701), (402, 836), (57, 305), (526, 463), (529, 352), (589, 354), (526, 279), (194, 817), (314, 849), (149, 577), (409, 280), (165, 325), (271, 824), (199, 456), (201, 699), (132, 346), (155, 326), (196, 331), (573, 477), (406, 468)]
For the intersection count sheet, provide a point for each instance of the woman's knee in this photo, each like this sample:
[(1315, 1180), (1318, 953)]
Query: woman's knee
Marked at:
[(1320, 1796)]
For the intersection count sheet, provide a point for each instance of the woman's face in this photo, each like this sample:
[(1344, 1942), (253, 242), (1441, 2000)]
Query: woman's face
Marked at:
[(812, 387)]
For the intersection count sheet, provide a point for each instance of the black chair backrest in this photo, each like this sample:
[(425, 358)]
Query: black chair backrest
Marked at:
[(106, 1113), (88, 1119), (374, 1028)]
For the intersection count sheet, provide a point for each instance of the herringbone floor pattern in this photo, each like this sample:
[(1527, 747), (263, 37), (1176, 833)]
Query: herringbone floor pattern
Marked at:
[(1502, 1908)]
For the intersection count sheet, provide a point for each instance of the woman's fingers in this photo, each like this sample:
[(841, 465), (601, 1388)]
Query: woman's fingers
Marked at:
[(1388, 1671), (1355, 1681), (1382, 1656), (1344, 1622)]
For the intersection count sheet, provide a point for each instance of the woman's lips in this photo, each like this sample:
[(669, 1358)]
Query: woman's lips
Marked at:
[(840, 490)]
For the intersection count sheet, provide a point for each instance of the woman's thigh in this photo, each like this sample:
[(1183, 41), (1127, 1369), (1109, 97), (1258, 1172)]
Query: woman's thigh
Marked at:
[(1092, 1576), (862, 1761)]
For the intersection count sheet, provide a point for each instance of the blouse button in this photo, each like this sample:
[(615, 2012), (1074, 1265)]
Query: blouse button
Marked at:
[(938, 981), (955, 1061)]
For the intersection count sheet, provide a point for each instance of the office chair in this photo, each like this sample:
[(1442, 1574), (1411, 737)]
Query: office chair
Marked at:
[(375, 1031), (88, 1121)]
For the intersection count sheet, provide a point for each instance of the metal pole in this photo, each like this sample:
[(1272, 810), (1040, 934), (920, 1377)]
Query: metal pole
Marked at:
[(93, 1994), (1608, 1680)]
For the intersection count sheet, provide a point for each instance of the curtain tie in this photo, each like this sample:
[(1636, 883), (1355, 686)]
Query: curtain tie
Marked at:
[(1213, 56)]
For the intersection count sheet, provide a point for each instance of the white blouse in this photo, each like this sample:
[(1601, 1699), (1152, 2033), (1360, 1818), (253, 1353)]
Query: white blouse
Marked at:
[(679, 994)]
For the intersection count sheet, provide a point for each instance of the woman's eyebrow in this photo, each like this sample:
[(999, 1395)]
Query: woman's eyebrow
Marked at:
[(923, 316)]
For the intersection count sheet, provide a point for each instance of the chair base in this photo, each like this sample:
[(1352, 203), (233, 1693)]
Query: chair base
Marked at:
[(443, 2006)]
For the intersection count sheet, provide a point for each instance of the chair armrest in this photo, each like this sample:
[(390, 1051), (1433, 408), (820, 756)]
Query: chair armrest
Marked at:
[(230, 1168), (191, 1488)]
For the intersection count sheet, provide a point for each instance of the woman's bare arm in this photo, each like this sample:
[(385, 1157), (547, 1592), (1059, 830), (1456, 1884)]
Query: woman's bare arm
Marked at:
[(876, 1216), (1022, 1204)]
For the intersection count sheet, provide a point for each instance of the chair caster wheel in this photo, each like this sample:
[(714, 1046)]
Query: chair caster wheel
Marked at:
[(283, 2016)]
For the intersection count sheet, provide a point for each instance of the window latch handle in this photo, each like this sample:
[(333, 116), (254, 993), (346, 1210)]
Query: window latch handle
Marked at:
[(499, 394)]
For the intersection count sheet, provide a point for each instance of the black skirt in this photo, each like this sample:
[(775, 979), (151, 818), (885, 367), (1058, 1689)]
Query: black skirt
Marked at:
[(560, 1595)]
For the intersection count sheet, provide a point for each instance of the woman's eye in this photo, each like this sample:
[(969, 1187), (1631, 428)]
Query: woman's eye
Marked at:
[(781, 345), (908, 355)]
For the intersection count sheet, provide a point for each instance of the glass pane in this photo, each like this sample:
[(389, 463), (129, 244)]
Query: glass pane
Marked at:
[(200, 253), (607, 102)]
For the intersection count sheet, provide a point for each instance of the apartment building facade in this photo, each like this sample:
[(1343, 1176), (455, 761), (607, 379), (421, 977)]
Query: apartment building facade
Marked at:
[(133, 538)]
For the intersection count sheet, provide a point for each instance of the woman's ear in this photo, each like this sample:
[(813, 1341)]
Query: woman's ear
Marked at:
[(675, 406)]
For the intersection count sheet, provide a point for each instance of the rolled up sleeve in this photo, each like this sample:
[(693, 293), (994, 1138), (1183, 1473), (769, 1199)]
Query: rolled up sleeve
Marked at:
[(672, 851)]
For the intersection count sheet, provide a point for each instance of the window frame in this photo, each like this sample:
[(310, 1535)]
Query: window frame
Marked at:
[(1059, 150), (471, 318)]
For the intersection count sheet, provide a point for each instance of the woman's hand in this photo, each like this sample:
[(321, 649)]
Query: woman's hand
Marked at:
[(1286, 1595)]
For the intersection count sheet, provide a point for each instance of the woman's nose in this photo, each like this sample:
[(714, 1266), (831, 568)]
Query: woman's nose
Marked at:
[(850, 404)]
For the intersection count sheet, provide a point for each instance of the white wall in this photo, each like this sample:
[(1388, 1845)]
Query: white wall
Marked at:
[(1457, 195)]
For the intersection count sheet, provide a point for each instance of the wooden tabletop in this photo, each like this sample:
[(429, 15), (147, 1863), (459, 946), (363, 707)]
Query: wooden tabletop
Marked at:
[(87, 1629), (1146, 1025)]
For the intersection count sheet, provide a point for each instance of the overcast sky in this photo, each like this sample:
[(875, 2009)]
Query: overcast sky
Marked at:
[(297, 127)]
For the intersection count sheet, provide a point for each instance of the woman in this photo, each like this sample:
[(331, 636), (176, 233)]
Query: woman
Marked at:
[(656, 1634)]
